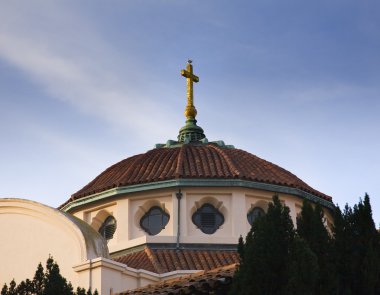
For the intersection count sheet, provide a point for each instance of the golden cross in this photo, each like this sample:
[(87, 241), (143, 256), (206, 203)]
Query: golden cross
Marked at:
[(190, 111)]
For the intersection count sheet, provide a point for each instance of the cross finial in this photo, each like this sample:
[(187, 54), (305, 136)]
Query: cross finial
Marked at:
[(190, 132), (190, 111)]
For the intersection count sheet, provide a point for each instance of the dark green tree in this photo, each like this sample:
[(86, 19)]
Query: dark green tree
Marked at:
[(12, 288), (49, 282), (303, 268), (54, 282), (264, 266), (367, 249), (240, 248), (357, 246), (343, 240), (25, 288), (38, 280), (311, 227), (4, 290)]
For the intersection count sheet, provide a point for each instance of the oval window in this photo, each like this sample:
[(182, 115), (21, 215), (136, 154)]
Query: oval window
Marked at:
[(108, 228), (254, 214), (208, 219), (154, 220)]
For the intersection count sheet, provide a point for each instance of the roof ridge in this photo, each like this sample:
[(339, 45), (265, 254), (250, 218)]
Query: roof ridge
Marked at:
[(134, 170), (153, 260), (227, 158), (179, 168), (187, 282)]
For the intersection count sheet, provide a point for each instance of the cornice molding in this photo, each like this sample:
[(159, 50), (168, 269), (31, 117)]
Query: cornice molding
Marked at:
[(182, 183)]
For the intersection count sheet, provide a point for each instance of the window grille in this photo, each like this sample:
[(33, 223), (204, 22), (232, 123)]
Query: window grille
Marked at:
[(208, 219), (154, 221), (108, 228)]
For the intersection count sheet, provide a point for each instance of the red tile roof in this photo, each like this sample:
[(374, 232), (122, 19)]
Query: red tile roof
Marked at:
[(167, 260), (217, 280), (206, 161)]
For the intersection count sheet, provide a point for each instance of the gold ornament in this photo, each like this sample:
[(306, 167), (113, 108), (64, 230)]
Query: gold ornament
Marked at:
[(190, 111)]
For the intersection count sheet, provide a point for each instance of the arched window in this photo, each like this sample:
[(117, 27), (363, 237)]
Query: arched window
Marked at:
[(108, 228), (254, 214), (208, 219), (154, 220)]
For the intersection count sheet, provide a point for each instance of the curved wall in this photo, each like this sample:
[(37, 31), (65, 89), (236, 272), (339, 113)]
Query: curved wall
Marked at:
[(31, 231)]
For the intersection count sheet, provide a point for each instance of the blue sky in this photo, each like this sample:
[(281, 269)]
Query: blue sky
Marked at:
[(84, 84)]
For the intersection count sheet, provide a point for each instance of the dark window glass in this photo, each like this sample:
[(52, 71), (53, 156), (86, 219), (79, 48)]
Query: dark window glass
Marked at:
[(208, 219), (108, 228), (254, 214), (154, 220)]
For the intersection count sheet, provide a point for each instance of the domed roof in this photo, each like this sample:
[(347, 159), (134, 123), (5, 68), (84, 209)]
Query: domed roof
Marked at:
[(193, 161)]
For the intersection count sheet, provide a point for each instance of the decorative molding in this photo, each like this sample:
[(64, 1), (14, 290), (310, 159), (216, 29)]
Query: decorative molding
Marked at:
[(105, 263), (195, 182)]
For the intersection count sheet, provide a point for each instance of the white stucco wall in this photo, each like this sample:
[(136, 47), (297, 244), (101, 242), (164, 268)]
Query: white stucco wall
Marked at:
[(31, 231), (234, 203)]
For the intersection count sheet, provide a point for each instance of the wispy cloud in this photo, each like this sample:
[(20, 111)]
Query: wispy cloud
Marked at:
[(89, 78)]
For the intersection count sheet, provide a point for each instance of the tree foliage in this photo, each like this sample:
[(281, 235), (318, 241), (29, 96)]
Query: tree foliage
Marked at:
[(303, 265), (265, 266), (312, 260), (45, 282), (357, 244), (311, 228)]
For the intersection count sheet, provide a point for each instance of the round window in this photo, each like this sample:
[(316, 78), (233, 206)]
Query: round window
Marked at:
[(108, 228), (254, 214), (154, 220), (208, 219)]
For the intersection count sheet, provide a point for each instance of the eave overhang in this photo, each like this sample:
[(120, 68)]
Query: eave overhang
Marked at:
[(182, 183)]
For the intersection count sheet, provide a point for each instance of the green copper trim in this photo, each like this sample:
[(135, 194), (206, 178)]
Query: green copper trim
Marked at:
[(172, 144), (191, 132), (197, 183)]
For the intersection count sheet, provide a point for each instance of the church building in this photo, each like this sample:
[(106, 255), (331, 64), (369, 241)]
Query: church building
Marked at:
[(173, 211)]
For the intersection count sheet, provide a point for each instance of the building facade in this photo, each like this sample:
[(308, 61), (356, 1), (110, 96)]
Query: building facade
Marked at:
[(174, 210)]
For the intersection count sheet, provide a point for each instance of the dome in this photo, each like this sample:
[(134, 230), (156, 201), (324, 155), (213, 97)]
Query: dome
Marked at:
[(194, 162)]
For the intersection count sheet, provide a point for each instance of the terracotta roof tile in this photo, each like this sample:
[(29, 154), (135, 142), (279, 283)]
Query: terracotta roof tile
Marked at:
[(167, 260), (139, 260), (193, 161), (218, 280)]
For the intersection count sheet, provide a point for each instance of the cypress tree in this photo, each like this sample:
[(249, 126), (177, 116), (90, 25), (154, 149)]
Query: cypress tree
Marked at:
[(240, 248), (4, 290), (342, 249), (12, 288), (21, 289), (311, 227), (303, 268), (49, 282), (38, 280), (358, 250), (29, 286), (25, 288), (54, 282), (368, 252), (265, 263)]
